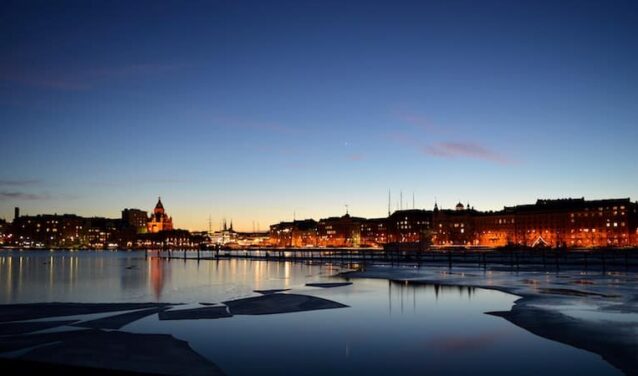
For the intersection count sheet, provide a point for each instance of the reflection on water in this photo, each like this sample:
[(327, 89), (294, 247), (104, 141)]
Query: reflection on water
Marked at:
[(158, 271), (406, 292), (43, 276), (388, 328)]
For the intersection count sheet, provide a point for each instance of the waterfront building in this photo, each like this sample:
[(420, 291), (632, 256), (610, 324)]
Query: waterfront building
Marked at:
[(547, 223), (454, 227), (49, 230), (226, 236), (298, 233), (374, 232), (4, 232), (253, 239), (159, 220), (169, 239), (105, 232), (136, 219), (344, 231), (574, 223), (408, 226)]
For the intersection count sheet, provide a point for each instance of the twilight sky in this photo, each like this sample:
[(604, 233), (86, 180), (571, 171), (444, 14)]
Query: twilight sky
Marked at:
[(258, 110)]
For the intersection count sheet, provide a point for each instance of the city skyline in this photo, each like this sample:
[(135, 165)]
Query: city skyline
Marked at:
[(258, 112)]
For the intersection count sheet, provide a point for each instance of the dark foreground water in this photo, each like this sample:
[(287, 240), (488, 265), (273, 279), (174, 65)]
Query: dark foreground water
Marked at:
[(387, 328)]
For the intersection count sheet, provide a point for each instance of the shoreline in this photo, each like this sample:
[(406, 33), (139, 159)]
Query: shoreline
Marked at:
[(625, 259), (549, 305)]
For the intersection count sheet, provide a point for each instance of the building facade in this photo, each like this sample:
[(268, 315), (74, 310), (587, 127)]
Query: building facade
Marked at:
[(344, 231), (136, 219), (570, 223), (159, 220), (298, 233), (374, 232), (547, 223)]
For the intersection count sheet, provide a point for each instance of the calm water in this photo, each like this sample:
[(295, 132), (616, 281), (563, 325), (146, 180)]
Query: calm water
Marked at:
[(388, 327)]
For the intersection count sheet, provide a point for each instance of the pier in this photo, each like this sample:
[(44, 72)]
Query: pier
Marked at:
[(547, 258)]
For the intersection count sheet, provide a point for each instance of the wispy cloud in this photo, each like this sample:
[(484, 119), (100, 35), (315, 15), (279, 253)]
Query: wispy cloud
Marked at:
[(419, 121), (21, 196), (452, 149), (471, 150), (18, 182)]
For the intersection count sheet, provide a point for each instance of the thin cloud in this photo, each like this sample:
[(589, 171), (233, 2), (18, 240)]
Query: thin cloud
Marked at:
[(419, 121), (22, 196), (453, 150), (18, 183)]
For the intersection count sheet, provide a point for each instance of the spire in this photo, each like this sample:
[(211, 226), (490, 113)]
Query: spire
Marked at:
[(389, 201), (159, 203), (231, 225)]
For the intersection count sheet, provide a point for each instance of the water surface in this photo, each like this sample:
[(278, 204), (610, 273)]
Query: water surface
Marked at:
[(387, 328)]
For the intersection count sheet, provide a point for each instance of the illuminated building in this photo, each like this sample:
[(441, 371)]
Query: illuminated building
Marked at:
[(575, 222), (551, 223), (227, 235), (4, 231), (344, 231), (69, 231), (253, 239), (374, 232), (302, 233), (103, 232), (159, 220), (169, 239), (407, 226), (547, 223)]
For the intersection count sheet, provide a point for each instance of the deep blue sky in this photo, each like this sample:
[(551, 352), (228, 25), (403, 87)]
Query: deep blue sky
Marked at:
[(257, 110)]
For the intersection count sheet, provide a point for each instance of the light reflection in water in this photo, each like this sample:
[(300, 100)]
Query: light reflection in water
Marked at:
[(389, 327), (157, 273), (89, 276)]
